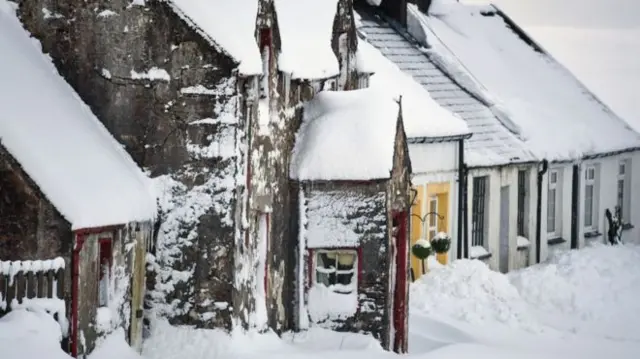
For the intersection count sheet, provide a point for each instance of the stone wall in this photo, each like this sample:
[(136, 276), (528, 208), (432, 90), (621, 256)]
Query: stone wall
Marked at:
[(168, 95)]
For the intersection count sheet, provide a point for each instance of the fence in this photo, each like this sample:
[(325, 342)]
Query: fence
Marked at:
[(32, 283)]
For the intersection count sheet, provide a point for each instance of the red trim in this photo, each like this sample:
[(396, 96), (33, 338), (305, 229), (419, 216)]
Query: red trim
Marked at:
[(311, 262), (401, 289), (97, 230), (266, 259)]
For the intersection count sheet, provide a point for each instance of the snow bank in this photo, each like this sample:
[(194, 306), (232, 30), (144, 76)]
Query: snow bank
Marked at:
[(114, 346), (30, 335), (58, 141), (230, 24), (319, 339), (421, 115), (306, 31), (346, 135), (469, 291), (594, 291)]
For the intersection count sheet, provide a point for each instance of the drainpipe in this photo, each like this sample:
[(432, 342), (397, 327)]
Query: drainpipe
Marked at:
[(461, 204), (541, 172), (575, 195)]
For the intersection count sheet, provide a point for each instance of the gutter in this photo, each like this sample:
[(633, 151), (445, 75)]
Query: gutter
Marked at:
[(541, 172), (438, 139), (462, 180)]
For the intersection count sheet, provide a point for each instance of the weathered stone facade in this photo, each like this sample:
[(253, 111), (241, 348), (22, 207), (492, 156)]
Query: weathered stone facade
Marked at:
[(163, 89)]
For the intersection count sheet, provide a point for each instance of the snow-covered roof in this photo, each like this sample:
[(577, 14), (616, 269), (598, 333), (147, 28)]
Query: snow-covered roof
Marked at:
[(555, 115), (492, 143), (231, 24), (59, 143), (346, 135), (306, 31), (422, 116)]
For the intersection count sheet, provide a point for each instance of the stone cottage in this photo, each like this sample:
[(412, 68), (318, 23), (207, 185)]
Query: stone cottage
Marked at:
[(352, 171), (71, 200), (207, 96)]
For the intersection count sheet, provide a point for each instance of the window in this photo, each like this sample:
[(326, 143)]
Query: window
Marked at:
[(336, 270), (522, 203), (478, 209), (104, 270), (553, 200), (433, 217), (623, 195), (590, 198)]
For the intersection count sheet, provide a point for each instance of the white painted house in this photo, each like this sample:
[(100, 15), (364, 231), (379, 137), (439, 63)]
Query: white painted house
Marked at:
[(434, 137), (593, 156), (496, 158)]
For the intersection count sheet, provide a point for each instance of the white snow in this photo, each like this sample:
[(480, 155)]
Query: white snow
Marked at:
[(346, 135), (333, 217), (114, 346), (107, 13), (421, 115), (558, 118), (230, 24), (478, 251), (522, 242), (60, 144), (26, 334), (325, 304), (153, 74), (306, 31)]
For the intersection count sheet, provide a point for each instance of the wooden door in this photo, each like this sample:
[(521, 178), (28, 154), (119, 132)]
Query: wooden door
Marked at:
[(137, 292), (400, 305)]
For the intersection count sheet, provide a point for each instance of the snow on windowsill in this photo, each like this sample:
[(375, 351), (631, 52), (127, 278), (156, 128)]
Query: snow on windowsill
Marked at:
[(324, 304), (523, 243), (479, 252)]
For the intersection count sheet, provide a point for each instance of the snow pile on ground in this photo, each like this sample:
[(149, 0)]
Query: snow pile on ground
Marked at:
[(467, 290), (594, 291), (169, 342), (114, 346), (30, 335)]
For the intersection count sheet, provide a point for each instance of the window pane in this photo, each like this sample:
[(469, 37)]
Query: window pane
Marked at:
[(433, 208), (554, 177), (620, 193), (551, 211), (621, 169), (346, 261), (588, 206)]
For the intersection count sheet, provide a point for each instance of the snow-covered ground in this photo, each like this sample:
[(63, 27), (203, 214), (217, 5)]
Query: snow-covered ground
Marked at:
[(581, 304), (598, 40)]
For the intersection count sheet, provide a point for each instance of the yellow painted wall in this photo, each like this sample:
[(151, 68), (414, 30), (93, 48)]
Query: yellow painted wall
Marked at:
[(420, 208), (416, 228), (442, 191)]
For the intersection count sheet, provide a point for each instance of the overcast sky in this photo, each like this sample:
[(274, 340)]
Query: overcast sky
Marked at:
[(575, 13), (598, 40)]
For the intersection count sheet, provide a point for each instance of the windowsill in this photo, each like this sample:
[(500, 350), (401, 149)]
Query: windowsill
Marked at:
[(555, 240), (627, 226), (482, 256), (523, 243), (592, 234)]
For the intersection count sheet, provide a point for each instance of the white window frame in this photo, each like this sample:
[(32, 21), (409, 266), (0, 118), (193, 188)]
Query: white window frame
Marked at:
[(555, 185), (591, 180), (338, 289), (624, 175), (432, 218)]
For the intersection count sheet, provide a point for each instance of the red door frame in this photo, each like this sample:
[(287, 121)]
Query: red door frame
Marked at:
[(80, 237), (400, 291)]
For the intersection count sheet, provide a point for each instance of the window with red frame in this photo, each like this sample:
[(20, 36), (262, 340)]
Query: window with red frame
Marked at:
[(337, 270), (105, 259)]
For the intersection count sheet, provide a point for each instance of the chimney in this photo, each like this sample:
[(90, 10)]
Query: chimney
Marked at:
[(423, 5), (395, 9)]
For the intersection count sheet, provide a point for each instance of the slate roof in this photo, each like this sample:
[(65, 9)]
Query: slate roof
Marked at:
[(555, 116), (492, 143)]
